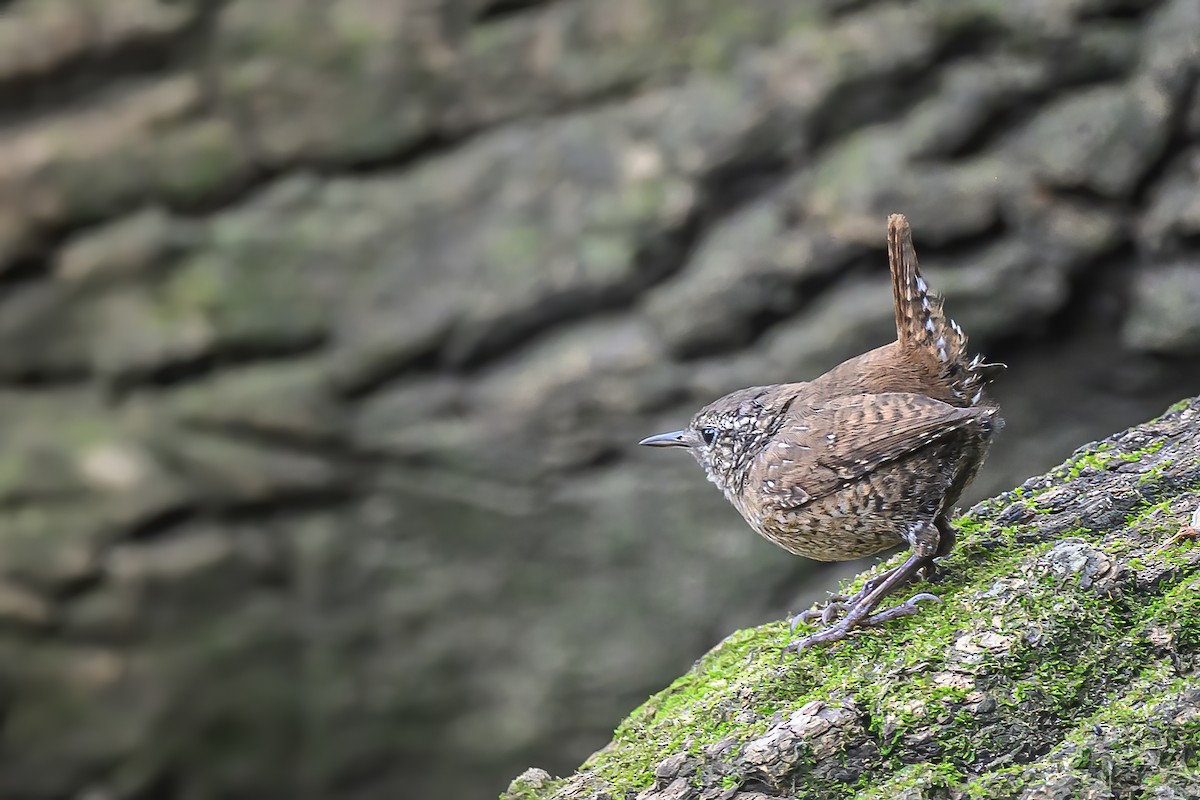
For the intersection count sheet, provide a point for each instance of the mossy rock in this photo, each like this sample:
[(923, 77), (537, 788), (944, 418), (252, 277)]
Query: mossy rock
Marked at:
[(1063, 662)]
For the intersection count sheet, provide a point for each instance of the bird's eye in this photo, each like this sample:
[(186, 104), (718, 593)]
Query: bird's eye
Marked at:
[(709, 435)]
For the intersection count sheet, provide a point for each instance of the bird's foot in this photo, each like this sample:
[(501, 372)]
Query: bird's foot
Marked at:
[(838, 604), (841, 630)]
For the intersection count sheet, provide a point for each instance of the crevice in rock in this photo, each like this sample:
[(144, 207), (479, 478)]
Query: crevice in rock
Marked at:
[(241, 352), (962, 247), (258, 177), (328, 447), (836, 9), (24, 269), (657, 257), (21, 499), (497, 10), (865, 101), (1123, 11), (991, 127), (1177, 141), (159, 523), (364, 382), (972, 37), (1091, 291), (1018, 110), (873, 99), (278, 502), (283, 502), (163, 786), (40, 377), (756, 786), (67, 591), (87, 73), (1080, 193)]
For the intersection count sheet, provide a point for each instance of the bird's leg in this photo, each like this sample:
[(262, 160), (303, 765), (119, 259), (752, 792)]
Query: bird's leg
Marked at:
[(946, 541), (839, 604), (925, 543), (860, 613)]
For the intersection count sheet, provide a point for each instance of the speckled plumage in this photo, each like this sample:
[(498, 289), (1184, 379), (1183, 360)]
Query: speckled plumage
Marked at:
[(869, 455)]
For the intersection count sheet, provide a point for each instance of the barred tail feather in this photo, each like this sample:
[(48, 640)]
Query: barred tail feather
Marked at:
[(921, 324)]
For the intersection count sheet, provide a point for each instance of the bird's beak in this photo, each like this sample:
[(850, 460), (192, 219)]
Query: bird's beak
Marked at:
[(672, 439)]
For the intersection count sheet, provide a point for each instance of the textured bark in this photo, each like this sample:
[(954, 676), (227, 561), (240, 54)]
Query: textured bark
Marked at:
[(1064, 662), (327, 328)]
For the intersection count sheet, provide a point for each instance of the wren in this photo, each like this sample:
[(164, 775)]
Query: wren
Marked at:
[(868, 456)]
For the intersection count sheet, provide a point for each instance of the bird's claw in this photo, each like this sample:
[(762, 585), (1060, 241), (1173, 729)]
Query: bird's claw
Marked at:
[(841, 630), (837, 604), (827, 612), (906, 609)]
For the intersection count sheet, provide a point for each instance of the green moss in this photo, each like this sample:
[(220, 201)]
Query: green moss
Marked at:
[(1006, 782), (527, 787), (1156, 472), (731, 782), (1102, 457), (686, 716), (1180, 406), (915, 780)]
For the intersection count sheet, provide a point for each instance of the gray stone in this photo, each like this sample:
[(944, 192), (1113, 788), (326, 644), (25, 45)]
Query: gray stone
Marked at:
[(1165, 314)]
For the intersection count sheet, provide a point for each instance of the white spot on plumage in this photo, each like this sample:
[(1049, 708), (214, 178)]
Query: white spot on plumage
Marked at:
[(929, 324), (922, 287), (975, 399)]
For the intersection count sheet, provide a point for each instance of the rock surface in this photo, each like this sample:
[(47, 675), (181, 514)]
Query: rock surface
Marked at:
[(1064, 662), (327, 327)]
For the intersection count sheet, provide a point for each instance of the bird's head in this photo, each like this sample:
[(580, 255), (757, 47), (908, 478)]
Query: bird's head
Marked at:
[(723, 436)]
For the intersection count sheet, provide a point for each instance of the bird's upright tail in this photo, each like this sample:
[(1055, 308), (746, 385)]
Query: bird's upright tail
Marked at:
[(922, 327)]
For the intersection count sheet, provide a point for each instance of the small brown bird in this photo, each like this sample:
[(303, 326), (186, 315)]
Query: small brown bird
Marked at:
[(872, 454)]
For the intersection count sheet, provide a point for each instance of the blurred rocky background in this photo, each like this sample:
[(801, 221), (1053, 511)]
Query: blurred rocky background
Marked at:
[(327, 328)]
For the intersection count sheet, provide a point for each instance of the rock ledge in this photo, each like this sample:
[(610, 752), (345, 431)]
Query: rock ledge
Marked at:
[(1062, 664)]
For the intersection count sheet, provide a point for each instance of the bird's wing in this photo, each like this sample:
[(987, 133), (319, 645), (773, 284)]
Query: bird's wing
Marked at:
[(823, 445)]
